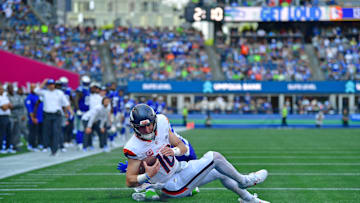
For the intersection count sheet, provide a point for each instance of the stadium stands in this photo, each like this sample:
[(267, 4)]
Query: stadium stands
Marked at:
[(262, 56), (73, 49), (16, 13), (338, 52), (153, 54)]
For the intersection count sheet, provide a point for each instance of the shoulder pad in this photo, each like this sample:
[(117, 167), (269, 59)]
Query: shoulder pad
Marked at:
[(129, 154)]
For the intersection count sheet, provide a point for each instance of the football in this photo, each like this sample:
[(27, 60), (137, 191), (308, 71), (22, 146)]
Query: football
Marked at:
[(150, 160)]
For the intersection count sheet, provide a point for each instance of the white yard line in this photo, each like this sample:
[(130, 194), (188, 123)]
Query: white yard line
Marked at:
[(314, 174), (296, 164), (11, 185), (14, 182), (293, 157), (285, 152), (79, 174), (205, 188), (271, 174), (279, 149)]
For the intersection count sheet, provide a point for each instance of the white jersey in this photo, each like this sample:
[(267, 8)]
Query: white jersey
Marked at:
[(139, 149)]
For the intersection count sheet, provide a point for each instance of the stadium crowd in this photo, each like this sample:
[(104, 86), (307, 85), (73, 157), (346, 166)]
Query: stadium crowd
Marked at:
[(338, 52), (69, 48), (265, 56), (154, 54), (16, 13)]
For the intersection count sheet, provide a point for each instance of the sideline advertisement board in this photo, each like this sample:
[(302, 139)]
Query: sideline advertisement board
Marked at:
[(210, 87)]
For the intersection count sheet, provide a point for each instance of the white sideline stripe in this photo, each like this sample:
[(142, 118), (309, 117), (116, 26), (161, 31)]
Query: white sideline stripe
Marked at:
[(14, 182), (210, 189), (287, 152), (278, 149), (297, 164), (80, 174), (6, 194), (274, 174), (293, 157), (11, 185), (314, 174), (37, 179)]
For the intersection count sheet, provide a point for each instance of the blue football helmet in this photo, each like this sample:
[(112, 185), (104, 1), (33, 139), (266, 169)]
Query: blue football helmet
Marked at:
[(142, 115)]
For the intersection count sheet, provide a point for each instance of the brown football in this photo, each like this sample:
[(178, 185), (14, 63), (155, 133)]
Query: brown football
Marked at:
[(150, 160)]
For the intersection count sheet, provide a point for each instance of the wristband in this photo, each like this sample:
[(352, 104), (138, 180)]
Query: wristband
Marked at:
[(177, 151), (143, 178)]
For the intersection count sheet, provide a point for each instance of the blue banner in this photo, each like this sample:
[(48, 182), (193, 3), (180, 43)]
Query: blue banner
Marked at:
[(209, 87)]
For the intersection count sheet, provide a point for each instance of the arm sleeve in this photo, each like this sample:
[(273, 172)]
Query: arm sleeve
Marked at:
[(64, 100), (39, 91), (104, 117)]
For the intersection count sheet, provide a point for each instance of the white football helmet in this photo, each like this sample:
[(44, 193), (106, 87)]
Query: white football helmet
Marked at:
[(85, 80), (64, 80)]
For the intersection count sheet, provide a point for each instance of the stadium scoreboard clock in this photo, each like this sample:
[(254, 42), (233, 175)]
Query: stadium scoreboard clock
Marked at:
[(204, 13)]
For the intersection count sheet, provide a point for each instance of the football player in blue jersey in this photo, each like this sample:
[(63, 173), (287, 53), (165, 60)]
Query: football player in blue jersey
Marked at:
[(112, 94), (82, 100), (161, 105)]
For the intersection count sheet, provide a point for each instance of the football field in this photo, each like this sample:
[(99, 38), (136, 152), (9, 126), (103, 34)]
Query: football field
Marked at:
[(305, 165)]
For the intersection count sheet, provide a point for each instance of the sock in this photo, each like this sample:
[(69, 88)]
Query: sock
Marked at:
[(228, 183), (225, 168), (79, 137)]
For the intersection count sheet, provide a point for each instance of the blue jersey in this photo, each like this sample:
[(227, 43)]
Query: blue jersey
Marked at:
[(126, 120), (68, 93), (30, 103), (152, 104), (84, 101), (112, 94), (160, 107), (118, 104)]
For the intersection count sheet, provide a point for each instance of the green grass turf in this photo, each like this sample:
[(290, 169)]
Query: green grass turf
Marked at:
[(287, 154), (260, 121)]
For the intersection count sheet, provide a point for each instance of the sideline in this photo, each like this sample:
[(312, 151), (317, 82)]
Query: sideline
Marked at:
[(22, 163)]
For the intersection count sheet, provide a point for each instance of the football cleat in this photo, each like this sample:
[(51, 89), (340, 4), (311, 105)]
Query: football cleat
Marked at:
[(195, 191), (255, 199), (150, 194), (255, 178)]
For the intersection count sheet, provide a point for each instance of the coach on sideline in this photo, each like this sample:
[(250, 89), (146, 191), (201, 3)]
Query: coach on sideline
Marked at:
[(54, 101)]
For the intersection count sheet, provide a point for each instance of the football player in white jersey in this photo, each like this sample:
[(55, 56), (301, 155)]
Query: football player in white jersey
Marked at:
[(153, 137)]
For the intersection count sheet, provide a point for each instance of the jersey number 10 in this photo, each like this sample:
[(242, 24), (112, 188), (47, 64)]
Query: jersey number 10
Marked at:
[(165, 162)]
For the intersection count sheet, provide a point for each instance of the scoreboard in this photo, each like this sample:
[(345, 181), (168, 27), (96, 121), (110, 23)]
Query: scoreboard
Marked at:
[(204, 13)]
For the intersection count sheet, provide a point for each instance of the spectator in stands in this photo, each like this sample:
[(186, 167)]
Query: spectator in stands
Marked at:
[(263, 57)]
